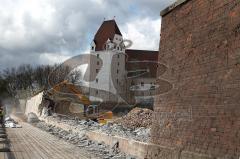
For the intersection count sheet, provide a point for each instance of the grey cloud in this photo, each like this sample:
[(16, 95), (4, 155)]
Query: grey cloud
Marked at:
[(154, 6), (67, 27)]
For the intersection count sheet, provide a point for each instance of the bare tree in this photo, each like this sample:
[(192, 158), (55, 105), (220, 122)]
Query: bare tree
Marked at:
[(58, 74), (31, 79), (74, 76)]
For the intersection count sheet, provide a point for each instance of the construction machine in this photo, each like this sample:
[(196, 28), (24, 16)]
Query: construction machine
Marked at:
[(90, 111)]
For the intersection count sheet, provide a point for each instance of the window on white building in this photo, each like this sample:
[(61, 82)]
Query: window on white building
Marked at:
[(97, 70), (117, 71), (97, 55), (96, 80)]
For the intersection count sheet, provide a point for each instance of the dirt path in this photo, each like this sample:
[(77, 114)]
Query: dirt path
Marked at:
[(30, 142)]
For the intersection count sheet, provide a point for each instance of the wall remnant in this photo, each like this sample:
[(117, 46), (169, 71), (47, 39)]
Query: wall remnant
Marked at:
[(33, 103), (199, 41)]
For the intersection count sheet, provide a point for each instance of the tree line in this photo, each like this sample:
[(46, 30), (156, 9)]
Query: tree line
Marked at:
[(30, 79)]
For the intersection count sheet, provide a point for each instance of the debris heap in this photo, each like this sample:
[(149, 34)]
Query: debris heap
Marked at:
[(136, 118), (10, 123), (100, 150), (140, 134)]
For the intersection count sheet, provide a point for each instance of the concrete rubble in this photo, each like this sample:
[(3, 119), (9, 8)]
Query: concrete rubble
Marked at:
[(115, 129), (32, 118), (74, 131), (10, 123), (140, 134), (81, 140)]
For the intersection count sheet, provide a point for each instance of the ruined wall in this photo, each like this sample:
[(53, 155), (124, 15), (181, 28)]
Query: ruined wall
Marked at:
[(200, 45), (33, 103), (22, 105)]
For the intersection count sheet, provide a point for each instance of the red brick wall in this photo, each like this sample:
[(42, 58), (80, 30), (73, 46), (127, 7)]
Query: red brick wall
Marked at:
[(200, 44)]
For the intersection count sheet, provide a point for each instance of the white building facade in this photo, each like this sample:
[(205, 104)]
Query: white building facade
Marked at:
[(109, 70)]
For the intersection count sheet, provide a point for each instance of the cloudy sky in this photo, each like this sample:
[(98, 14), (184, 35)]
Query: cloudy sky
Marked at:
[(50, 31)]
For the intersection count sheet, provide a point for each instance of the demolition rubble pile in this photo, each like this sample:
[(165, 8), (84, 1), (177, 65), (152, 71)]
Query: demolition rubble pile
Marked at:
[(135, 125), (10, 123), (80, 139), (139, 134), (114, 129), (136, 118)]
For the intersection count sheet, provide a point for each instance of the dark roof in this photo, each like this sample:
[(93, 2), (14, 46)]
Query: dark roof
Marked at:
[(172, 7), (143, 59), (141, 55), (106, 31)]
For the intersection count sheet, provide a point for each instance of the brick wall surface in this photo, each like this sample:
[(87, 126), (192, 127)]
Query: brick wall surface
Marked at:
[(200, 45)]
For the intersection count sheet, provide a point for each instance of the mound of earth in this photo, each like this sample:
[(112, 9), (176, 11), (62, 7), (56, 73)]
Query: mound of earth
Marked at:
[(137, 117)]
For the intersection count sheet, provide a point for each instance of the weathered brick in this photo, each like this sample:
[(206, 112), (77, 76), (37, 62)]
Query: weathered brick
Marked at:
[(200, 44)]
